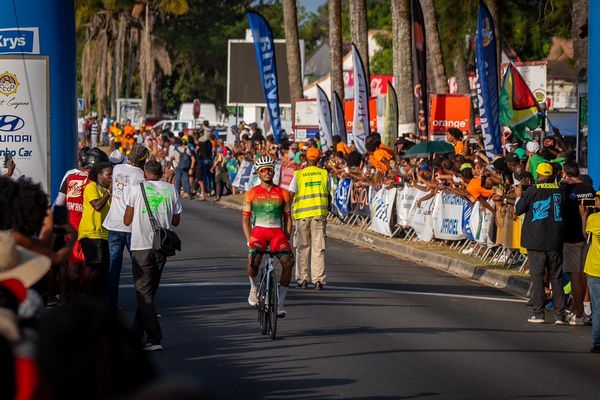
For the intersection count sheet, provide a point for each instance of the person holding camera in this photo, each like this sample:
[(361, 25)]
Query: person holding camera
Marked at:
[(542, 235), (92, 235), (575, 246), (591, 226)]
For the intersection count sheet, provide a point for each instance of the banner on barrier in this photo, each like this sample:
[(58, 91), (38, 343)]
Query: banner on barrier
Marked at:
[(480, 222), (243, 179), (285, 176), (341, 199), (359, 200), (420, 219), (382, 207), (405, 199), (447, 217)]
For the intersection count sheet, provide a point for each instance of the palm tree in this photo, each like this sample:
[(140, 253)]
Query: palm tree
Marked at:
[(402, 60), (579, 15), (290, 27), (335, 45), (359, 32), (152, 52), (433, 46)]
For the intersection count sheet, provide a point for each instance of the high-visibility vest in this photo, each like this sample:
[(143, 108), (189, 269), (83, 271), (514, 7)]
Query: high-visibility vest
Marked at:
[(312, 197)]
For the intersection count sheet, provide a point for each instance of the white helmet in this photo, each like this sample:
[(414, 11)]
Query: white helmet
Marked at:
[(264, 161)]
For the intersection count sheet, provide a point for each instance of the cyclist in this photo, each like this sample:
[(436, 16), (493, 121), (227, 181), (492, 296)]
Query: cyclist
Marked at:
[(267, 220)]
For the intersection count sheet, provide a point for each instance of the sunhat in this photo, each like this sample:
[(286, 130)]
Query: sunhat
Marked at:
[(19, 263)]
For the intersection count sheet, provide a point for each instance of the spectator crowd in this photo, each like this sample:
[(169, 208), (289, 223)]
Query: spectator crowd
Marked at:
[(59, 254)]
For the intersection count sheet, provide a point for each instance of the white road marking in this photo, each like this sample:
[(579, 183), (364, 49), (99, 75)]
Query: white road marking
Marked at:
[(350, 288)]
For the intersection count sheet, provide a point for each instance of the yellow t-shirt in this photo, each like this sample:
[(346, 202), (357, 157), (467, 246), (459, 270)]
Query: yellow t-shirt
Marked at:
[(592, 262), (91, 220)]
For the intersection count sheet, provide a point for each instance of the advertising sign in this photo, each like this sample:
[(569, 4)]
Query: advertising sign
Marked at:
[(421, 219), (359, 200), (382, 207), (306, 114), (341, 198), (349, 114), (535, 75), (378, 84), (19, 41), (130, 109), (405, 199), (24, 119), (448, 111), (448, 217)]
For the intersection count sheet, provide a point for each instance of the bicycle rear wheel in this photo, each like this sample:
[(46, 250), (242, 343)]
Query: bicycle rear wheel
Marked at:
[(261, 308)]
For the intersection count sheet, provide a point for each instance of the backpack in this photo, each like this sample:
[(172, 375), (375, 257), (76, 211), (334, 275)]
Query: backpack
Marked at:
[(185, 161)]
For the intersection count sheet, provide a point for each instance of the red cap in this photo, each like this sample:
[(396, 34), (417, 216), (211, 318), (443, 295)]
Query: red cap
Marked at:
[(16, 287)]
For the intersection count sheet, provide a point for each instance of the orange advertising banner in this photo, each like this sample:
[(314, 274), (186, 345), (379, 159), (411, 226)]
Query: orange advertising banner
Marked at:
[(448, 111), (349, 114)]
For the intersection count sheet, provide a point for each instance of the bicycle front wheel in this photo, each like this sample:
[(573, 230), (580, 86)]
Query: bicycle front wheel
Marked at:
[(272, 308)]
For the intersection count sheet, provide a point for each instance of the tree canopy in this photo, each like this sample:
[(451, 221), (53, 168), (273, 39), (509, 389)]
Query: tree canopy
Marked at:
[(195, 34)]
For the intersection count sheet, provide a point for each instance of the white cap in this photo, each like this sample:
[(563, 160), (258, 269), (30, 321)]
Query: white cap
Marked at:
[(116, 157), (533, 147)]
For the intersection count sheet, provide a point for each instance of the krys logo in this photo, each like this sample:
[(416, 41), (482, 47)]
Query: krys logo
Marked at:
[(8, 83), (11, 123)]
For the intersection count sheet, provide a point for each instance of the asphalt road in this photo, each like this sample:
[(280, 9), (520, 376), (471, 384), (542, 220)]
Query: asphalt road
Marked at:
[(384, 328)]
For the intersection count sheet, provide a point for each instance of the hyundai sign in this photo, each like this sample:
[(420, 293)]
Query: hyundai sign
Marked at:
[(19, 40)]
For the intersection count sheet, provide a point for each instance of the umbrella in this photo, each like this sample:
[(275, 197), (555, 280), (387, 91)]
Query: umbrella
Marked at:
[(426, 149)]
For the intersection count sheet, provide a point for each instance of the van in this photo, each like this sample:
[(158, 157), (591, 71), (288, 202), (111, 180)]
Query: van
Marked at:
[(208, 112), (173, 125)]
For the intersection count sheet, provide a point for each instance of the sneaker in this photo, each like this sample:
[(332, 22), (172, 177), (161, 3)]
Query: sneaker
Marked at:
[(536, 320), (149, 346), (595, 350), (302, 285), (252, 300), (587, 320), (52, 302), (576, 321), (561, 321), (281, 313), (318, 286)]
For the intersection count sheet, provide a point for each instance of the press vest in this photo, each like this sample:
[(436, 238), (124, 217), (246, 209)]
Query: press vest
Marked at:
[(312, 197)]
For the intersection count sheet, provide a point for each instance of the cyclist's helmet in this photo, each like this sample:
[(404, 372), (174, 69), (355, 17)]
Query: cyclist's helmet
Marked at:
[(94, 156), (264, 161)]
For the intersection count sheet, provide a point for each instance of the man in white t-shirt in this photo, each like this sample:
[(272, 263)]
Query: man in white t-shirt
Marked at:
[(147, 264), (119, 234), (80, 127)]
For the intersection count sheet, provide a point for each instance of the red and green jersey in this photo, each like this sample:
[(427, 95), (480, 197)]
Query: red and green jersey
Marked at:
[(267, 206)]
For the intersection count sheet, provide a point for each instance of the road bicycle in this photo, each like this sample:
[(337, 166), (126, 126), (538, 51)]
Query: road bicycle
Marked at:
[(267, 295)]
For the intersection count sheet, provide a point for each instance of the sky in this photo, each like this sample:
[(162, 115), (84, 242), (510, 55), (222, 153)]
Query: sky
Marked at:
[(311, 5)]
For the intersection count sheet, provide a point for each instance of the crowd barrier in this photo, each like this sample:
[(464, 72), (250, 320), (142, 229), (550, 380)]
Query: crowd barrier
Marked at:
[(445, 219)]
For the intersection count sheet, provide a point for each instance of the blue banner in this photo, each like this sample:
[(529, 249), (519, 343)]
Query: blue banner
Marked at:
[(342, 197), (466, 220), (487, 82), (265, 55)]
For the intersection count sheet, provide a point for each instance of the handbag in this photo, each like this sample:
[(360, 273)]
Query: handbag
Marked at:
[(165, 241)]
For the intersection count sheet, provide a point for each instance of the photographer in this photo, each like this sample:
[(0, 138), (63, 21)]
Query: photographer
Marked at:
[(575, 247), (591, 226)]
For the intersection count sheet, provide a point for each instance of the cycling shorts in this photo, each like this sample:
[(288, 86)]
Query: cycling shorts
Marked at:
[(261, 237)]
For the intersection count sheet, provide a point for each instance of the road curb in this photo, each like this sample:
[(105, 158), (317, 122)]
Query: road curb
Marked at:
[(502, 279)]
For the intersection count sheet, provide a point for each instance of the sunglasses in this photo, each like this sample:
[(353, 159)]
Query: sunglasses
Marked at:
[(265, 169)]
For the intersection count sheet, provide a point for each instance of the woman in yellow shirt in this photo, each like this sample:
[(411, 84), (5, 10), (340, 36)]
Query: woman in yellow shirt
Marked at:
[(92, 235), (591, 225)]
